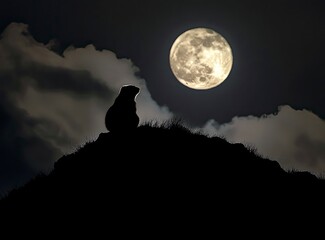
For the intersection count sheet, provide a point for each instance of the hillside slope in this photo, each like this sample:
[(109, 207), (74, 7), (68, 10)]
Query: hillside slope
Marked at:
[(159, 169)]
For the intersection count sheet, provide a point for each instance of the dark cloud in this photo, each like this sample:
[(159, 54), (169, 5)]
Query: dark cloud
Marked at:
[(48, 78), (25, 71), (23, 152)]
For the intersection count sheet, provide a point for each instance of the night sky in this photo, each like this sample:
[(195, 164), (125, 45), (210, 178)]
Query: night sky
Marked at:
[(62, 63)]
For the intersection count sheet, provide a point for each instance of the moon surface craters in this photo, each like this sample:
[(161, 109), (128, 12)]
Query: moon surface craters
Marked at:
[(201, 58)]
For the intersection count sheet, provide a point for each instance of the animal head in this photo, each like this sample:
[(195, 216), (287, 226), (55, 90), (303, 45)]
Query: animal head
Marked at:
[(129, 91)]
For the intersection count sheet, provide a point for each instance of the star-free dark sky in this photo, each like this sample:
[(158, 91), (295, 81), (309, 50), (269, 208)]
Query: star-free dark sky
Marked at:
[(273, 98)]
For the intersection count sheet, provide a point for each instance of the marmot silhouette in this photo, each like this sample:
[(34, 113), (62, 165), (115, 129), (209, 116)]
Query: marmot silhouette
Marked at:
[(122, 116)]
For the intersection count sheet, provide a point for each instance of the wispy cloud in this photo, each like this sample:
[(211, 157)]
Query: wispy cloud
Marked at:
[(295, 138)]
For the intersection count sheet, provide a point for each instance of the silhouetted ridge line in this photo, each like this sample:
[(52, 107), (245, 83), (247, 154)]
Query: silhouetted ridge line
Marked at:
[(156, 166)]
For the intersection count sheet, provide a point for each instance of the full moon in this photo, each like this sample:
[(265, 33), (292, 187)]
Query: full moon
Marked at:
[(201, 58)]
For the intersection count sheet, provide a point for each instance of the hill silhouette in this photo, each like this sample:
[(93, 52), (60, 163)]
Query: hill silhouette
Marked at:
[(159, 170)]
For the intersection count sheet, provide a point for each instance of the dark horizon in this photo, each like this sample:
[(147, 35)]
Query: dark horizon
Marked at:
[(113, 167)]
